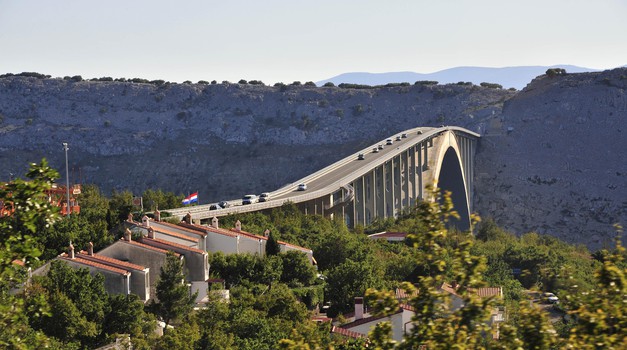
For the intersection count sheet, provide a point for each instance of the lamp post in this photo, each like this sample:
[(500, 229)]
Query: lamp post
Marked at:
[(67, 179)]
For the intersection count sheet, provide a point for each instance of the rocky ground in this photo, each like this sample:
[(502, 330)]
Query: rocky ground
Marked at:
[(551, 158)]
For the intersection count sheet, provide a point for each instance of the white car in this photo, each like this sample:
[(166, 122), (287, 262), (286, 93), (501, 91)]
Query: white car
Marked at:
[(302, 187), (550, 298), (250, 199)]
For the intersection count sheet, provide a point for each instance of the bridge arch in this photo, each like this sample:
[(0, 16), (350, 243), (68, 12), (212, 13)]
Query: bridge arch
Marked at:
[(450, 177)]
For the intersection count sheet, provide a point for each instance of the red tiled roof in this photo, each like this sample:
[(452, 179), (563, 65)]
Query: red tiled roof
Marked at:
[(18, 262), (146, 246), (79, 260), (485, 292), (295, 246), (369, 319), (173, 234), (221, 231), (346, 332), (183, 226), (197, 229), (147, 240), (109, 261)]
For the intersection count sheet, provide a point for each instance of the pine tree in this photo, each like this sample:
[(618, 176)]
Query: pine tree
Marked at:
[(174, 299)]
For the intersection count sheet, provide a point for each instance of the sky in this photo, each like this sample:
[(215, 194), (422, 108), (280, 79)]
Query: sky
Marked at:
[(297, 40)]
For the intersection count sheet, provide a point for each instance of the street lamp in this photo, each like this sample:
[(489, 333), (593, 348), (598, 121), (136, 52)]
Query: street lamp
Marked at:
[(67, 179)]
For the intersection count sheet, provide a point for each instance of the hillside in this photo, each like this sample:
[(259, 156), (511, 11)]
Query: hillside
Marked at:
[(227, 139)]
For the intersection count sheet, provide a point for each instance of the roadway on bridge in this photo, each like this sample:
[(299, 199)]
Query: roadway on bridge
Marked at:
[(322, 182)]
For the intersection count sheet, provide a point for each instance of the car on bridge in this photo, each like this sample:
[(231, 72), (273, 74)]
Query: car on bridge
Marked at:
[(360, 156), (398, 138), (302, 187), (380, 147), (219, 205), (404, 135), (264, 197), (375, 150), (250, 199), (389, 142)]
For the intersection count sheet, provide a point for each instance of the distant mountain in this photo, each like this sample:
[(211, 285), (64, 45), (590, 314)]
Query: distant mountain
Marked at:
[(516, 77)]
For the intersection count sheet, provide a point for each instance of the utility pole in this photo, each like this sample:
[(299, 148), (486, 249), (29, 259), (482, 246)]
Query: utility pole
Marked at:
[(67, 179)]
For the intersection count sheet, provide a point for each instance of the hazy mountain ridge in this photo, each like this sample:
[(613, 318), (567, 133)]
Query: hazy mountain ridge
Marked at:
[(516, 77), (224, 140)]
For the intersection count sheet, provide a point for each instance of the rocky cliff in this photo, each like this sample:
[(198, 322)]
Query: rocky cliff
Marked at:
[(552, 157)]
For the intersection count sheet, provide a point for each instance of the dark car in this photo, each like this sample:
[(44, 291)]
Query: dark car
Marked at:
[(224, 204), (360, 156), (389, 142)]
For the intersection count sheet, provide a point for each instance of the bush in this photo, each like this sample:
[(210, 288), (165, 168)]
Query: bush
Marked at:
[(551, 72), (328, 84), (354, 86), (242, 81), (310, 84), (256, 82), (105, 79), (358, 110), (187, 82), (426, 82), (491, 85), (204, 82), (213, 82), (157, 82), (296, 83)]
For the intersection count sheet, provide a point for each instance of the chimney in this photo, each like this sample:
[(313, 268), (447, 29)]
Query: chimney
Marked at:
[(90, 248), (359, 308), (188, 218), (214, 222), (151, 233), (127, 235), (266, 233), (145, 221), (130, 217), (157, 215), (70, 251), (238, 226)]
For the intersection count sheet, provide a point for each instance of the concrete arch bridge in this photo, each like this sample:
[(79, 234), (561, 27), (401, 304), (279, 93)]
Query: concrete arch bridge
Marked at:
[(373, 184)]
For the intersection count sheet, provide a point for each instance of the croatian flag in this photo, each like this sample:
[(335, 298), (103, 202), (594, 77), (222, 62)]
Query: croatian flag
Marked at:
[(191, 198)]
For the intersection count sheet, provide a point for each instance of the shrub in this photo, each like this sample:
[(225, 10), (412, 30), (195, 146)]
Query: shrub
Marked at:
[(426, 82), (34, 75), (187, 82), (204, 82), (311, 84), (242, 81), (551, 72), (256, 82), (121, 80), (358, 109), (107, 123), (157, 82), (225, 82), (329, 84), (105, 79), (491, 85), (296, 83), (213, 82)]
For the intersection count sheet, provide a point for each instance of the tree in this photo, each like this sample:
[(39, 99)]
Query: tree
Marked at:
[(297, 269), (272, 246), (600, 321), (32, 212), (174, 299)]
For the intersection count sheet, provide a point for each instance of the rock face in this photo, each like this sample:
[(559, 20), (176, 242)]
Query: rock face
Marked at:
[(552, 158)]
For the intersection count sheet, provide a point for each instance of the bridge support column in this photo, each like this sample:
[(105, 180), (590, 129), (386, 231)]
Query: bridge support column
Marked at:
[(397, 185)]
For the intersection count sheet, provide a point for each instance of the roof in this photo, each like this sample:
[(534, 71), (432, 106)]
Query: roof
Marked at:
[(485, 292), (169, 232), (183, 226), (147, 240), (388, 235), (369, 319), (346, 332), (109, 261), (100, 266), (145, 246)]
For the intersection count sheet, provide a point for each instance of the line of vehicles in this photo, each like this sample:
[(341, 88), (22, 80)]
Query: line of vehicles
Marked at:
[(265, 196)]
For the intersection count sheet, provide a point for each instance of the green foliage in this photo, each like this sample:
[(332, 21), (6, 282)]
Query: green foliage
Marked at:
[(328, 84), (272, 246), (174, 299), (491, 85), (553, 72), (357, 110), (17, 234), (204, 82), (310, 84), (242, 81), (354, 86), (426, 82), (297, 269)]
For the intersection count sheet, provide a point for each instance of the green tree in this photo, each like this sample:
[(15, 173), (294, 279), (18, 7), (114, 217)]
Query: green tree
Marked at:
[(297, 269), (272, 246), (174, 299), (32, 213)]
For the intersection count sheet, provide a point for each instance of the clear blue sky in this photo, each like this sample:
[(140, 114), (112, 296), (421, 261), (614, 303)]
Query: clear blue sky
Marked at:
[(303, 40)]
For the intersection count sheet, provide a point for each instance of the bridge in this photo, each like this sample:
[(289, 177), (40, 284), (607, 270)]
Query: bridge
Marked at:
[(368, 184)]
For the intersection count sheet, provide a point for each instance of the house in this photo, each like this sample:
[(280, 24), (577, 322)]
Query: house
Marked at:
[(361, 322), (236, 240), (126, 249), (168, 232), (117, 274)]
